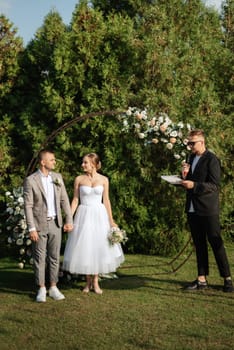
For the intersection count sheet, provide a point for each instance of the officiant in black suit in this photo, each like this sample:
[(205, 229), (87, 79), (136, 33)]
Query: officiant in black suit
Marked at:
[(202, 207)]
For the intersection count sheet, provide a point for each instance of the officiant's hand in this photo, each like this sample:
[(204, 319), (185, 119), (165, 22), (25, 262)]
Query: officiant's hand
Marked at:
[(185, 170), (187, 184)]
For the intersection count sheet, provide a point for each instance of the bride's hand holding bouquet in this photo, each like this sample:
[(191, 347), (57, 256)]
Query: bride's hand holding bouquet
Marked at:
[(116, 235)]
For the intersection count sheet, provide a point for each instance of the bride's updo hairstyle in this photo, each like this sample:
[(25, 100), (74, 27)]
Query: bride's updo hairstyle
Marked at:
[(95, 160)]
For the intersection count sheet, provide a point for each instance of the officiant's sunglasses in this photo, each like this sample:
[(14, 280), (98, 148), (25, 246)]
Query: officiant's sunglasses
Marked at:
[(192, 143)]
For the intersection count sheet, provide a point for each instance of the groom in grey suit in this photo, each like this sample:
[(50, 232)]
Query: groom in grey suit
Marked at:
[(44, 197)]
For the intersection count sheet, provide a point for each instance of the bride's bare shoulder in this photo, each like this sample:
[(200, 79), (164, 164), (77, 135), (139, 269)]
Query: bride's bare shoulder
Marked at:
[(79, 178), (104, 178)]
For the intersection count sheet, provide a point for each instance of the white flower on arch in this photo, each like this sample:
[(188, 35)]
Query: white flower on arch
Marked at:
[(157, 129)]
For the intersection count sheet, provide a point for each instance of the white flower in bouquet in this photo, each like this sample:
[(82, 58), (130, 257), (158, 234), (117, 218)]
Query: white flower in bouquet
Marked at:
[(116, 235)]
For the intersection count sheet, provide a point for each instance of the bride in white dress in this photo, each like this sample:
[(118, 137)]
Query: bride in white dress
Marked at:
[(88, 251)]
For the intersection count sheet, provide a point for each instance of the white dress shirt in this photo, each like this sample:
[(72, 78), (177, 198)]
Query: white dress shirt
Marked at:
[(48, 186)]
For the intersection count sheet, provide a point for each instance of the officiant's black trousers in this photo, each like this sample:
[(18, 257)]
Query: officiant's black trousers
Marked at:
[(205, 228)]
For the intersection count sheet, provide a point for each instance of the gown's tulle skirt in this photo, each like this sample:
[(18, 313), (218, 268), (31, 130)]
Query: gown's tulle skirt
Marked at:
[(88, 250)]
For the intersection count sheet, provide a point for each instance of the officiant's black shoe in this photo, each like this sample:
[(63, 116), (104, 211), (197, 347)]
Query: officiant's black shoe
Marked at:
[(228, 286), (197, 285)]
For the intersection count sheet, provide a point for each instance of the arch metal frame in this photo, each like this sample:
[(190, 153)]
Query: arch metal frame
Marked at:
[(172, 264)]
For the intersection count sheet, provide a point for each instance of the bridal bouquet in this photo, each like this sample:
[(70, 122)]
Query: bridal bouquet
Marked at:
[(116, 235)]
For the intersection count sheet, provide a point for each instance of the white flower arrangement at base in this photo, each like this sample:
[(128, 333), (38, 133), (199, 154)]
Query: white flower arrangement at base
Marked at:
[(15, 227), (116, 235)]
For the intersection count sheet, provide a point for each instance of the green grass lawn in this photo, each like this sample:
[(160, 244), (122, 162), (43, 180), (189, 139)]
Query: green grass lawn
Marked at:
[(145, 308)]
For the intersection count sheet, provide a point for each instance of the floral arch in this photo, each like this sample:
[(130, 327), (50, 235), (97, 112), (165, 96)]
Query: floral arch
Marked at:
[(149, 127)]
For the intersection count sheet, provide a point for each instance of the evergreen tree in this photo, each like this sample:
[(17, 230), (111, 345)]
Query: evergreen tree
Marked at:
[(10, 48), (41, 96), (227, 67), (226, 92)]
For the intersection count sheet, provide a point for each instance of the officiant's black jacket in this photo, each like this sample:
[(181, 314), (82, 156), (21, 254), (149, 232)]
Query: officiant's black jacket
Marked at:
[(205, 194)]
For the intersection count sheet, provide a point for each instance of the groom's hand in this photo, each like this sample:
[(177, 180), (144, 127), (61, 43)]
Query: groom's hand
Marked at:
[(34, 236), (67, 227)]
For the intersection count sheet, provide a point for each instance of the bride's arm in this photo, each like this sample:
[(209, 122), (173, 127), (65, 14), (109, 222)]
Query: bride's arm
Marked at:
[(75, 200), (106, 201)]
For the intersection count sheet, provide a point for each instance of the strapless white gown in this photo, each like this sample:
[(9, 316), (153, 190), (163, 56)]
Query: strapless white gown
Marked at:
[(87, 250)]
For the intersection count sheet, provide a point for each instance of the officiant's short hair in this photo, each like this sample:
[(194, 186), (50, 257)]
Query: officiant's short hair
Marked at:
[(197, 132)]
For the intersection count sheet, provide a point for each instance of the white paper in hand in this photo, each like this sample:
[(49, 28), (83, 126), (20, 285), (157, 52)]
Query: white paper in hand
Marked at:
[(172, 179)]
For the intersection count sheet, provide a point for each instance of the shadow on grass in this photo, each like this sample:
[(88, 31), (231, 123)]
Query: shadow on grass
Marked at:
[(130, 282), (125, 281), (16, 282), (168, 286), (122, 282), (137, 281)]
